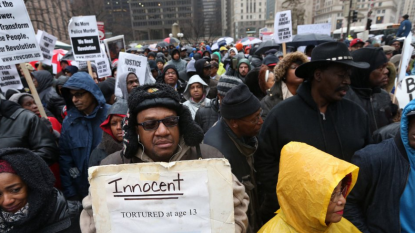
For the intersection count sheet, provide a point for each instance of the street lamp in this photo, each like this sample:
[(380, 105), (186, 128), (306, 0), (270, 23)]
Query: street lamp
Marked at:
[(180, 35)]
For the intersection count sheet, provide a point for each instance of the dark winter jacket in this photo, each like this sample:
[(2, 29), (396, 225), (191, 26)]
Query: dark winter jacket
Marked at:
[(208, 115), (373, 204), (374, 100), (404, 28), (240, 154), (341, 131), (273, 97), (386, 132), (213, 91), (179, 63), (80, 135), (22, 128)]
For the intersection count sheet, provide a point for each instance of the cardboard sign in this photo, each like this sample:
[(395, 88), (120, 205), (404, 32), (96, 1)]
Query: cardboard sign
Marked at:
[(47, 45), (9, 78), (405, 92), (406, 57), (128, 63), (103, 65), (185, 196), (115, 45), (321, 28), (83, 31), (283, 27), (17, 37)]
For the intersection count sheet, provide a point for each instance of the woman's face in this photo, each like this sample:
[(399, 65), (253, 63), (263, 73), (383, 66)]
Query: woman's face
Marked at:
[(232, 53), (291, 79), (116, 129), (29, 104), (336, 205), (13, 192), (271, 80)]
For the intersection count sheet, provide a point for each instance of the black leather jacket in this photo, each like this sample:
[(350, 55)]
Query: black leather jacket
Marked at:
[(208, 115), (22, 128)]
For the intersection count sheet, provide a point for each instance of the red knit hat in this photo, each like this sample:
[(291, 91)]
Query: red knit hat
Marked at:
[(239, 47), (6, 167)]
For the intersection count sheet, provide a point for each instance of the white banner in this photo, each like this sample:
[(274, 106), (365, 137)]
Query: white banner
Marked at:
[(83, 31), (405, 92), (47, 45), (17, 37), (406, 57), (180, 197), (321, 28), (283, 27), (9, 78), (128, 63)]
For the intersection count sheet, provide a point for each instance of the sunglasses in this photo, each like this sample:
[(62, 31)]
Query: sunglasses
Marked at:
[(154, 124)]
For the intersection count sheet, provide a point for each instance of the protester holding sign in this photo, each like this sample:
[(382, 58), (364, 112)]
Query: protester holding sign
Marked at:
[(80, 132), (170, 135)]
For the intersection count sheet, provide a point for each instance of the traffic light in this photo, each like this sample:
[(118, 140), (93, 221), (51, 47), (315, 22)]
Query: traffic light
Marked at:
[(368, 24), (354, 19)]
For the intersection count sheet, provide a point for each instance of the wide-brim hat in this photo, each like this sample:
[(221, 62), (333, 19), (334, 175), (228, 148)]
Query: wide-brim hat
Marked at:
[(333, 52)]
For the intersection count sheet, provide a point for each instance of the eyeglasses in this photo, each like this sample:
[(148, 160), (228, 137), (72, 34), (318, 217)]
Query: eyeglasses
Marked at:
[(78, 94), (169, 73), (254, 122), (336, 195), (154, 124)]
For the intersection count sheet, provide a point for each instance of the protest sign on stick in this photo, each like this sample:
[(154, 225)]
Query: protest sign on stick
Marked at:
[(130, 63), (283, 28), (115, 45), (17, 38), (33, 89), (405, 91), (103, 65), (403, 65), (83, 31), (47, 44), (9, 78), (320, 28), (183, 196)]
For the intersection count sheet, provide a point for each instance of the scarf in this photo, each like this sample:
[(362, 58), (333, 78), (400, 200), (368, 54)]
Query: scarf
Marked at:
[(12, 217)]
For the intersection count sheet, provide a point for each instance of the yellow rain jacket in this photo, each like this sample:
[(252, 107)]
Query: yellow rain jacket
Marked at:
[(306, 182)]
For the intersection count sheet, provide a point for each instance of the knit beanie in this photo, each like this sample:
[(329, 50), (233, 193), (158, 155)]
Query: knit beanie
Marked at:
[(6, 167), (238, 103), (159, 59), (155, 95), (239, 47), (226, 83)]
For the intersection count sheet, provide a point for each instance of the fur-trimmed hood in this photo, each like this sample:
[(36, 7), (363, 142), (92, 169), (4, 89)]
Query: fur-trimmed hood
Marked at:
[(281, 68)]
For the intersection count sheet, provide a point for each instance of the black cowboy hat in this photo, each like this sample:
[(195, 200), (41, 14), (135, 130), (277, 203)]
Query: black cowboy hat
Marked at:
[(334, 52)]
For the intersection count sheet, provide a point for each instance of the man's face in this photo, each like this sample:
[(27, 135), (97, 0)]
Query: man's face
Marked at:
[(389, 55), (155, 73), (250, 126), (196, 91), (170, 77), (377, 75), (385, 79), (213, 71), (83, 100), (232, 53), (214, 58), (207, 71), (411, 131), (333, 82), (183, 54), (176, 56), (243, 69), (29, 104), (356, 47), (63, 65), (160, 65), (132, 81), (159, 144), (397, 45)]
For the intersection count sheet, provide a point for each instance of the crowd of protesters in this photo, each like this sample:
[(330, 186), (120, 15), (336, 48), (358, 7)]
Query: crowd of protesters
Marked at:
[(302, 131)]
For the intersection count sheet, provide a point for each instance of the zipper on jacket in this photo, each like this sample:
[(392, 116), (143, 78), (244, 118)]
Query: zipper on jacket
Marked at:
[(373, 112), (323, 115)]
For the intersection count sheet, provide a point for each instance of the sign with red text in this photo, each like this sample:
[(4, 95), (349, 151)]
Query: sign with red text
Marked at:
[(180, 197), (17, 38), (101, 30)]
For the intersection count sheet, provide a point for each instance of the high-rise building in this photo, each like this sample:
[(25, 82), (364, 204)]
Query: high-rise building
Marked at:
[(117, 18), (212, 14), (50, 16), (248, 17), (332, 11)]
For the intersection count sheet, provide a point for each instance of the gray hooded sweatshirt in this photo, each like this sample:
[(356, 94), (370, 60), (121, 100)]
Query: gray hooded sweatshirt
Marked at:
[(192, 105)]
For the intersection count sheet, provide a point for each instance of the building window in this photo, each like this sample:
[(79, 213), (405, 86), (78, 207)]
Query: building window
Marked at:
[(260, 3), (242, 5), (242, 17), (250, 16), (260, 16), (380, 3), (242, 10), (383, 11)]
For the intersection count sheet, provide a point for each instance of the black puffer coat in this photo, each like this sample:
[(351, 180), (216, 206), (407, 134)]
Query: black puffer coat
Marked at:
[(208, 115)]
